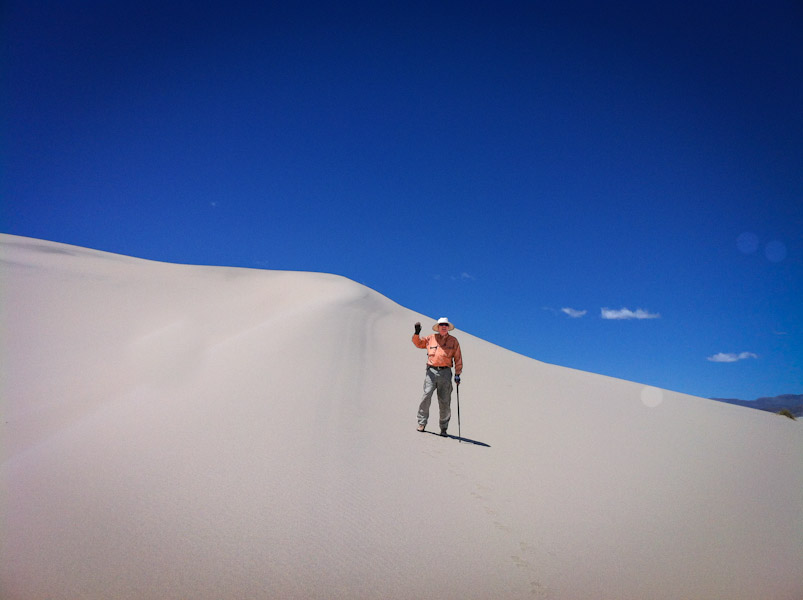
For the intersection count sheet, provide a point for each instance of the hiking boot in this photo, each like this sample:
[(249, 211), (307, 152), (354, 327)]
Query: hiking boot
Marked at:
[(421, 427), (443, 433)]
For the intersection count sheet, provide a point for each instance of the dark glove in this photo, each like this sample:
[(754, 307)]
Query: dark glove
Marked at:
[(457, 379), (417, 328)]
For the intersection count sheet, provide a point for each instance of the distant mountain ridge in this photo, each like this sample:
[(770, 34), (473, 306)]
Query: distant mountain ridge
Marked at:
[(791, 402)]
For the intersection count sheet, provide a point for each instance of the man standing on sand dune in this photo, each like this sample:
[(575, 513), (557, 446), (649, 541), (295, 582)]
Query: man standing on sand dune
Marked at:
[(442, 349)]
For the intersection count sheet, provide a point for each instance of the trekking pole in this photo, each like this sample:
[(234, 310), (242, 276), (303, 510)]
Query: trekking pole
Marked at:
[(459, 437)]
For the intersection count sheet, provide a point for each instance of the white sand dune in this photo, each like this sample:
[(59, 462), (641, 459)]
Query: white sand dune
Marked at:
[(175, 431)]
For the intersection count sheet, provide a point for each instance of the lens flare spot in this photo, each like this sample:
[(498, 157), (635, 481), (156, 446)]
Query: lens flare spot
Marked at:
[(775, 251), (651, 397)]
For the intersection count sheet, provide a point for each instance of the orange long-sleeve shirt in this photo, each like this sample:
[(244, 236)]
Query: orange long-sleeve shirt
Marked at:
[(441, 350)]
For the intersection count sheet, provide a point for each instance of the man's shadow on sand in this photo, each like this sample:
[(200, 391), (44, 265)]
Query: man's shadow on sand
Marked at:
[(460, 439)]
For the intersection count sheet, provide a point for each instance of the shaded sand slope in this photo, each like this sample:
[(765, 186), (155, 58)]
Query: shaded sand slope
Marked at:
[(176, 431)]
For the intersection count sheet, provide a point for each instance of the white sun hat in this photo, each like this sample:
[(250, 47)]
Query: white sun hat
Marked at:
[(442, 320)]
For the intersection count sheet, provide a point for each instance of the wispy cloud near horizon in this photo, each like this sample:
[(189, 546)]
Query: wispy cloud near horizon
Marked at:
[(626, 313), (573, 313), (730, 357), (464, 276)]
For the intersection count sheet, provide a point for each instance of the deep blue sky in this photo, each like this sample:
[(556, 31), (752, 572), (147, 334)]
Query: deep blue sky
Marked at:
[(494, 162)]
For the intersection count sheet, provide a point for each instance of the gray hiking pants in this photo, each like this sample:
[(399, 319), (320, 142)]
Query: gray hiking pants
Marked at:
[(439, 379)]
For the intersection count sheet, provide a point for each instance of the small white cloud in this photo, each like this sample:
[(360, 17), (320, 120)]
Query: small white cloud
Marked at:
[(465, 275), (626, 313), (729, 357), (574, 314)]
